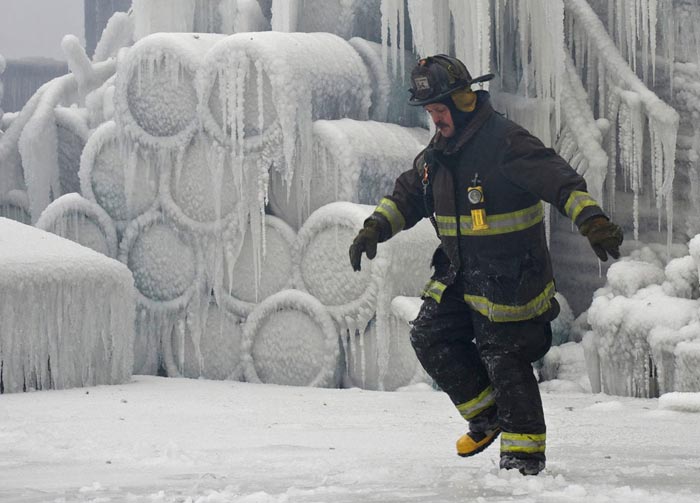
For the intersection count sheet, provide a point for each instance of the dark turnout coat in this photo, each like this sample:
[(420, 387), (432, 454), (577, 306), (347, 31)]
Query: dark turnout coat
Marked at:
[(504, 270)]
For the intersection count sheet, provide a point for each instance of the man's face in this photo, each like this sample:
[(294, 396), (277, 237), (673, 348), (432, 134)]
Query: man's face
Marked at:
[(442, 118)]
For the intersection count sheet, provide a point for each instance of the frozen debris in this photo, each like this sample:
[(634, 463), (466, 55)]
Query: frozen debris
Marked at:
[(682, 402), (609, 75), (166, 262), (345, 18), (290, 338), (665, 343), (118, 33), (152, 16), (240, 16), (238, 289), (213, 353), (73, 217), (105, 181), (389, 98), (355, 161), (629, 276), (155, 98), (565, 364), (30, 150), (66, 315), (15, 206)]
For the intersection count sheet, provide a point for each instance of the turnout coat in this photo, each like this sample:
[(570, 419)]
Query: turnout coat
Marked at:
[(502, 268)]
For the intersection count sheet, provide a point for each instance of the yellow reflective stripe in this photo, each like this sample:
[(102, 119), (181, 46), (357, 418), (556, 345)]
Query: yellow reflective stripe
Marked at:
[(505, 313), (474, 407), (434, 289), (501, 223), (447, 226), (523, 442), (578, 200), (388, 209)]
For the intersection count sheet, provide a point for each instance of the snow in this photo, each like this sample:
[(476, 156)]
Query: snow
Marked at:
[(168, 440), (66, 315)]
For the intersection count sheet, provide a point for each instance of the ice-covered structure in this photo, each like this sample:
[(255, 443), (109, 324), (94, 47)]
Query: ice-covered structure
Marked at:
[(211, 140), (66, 313)]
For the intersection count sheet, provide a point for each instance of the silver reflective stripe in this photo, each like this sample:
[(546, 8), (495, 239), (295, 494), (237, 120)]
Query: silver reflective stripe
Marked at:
[(390, 211), (434, 289), (578, 200), (523, 442), (505, 313), (501, 223), (473, 407)]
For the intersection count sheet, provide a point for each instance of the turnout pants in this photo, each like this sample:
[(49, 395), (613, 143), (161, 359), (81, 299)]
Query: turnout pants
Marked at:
[(485, 368)]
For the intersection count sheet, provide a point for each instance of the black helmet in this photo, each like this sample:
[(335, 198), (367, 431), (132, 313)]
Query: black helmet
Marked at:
[(436, 77)]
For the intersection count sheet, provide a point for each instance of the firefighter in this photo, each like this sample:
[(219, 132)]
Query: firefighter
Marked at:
[(487, 308)]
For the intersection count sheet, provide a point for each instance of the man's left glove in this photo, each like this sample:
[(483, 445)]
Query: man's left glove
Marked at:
[(365, 241), (605, 237)]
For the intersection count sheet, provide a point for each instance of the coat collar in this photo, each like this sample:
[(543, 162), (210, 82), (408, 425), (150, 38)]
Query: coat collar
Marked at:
[(449, 146)]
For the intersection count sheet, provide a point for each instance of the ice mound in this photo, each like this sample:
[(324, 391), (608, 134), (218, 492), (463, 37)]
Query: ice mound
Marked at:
[(66, 313)]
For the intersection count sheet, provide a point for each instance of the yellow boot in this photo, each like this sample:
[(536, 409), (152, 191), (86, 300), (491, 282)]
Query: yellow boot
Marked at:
[(474, 442)]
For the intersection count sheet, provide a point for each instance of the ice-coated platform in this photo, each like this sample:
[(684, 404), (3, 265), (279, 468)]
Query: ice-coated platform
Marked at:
[(66, 313)]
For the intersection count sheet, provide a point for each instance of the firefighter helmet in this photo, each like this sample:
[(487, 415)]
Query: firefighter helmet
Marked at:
[(436, 77)]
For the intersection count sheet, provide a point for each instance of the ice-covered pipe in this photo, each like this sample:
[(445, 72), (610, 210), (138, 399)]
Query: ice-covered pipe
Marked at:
[(72, 132), (155, 98), (356, 161), (249, 276), (389, 87), (73, 217), (402, 265), (290, 339), (124, 188)]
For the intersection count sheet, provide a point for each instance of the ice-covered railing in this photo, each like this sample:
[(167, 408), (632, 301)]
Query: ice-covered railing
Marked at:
[(645, 324), (627, 103)]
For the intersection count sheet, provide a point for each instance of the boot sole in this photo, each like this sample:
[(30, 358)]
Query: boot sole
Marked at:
[(480, 449)]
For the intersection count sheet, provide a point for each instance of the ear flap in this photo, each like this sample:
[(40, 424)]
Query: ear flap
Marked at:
[(464, 99)]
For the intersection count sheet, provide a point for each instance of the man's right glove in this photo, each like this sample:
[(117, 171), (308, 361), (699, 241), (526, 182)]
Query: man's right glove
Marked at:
[(605, 237), (365, 241)]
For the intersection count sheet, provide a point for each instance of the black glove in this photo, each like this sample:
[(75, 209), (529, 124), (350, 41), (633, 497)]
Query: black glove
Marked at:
[(605, 237), (365, 241)]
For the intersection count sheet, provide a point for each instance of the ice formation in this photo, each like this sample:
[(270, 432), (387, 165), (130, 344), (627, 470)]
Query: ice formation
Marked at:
[(66, 316), (290, 338), (73, 217), (189, 141), (644, 325)]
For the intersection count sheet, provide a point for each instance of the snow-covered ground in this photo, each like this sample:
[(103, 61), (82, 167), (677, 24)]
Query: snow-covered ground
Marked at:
[(183, 440)]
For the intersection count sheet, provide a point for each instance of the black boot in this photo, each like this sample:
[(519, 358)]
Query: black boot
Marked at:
[(526, 466)]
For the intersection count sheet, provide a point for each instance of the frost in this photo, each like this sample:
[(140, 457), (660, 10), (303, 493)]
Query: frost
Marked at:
[(289, 338), (73, 217), (66, 314)]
